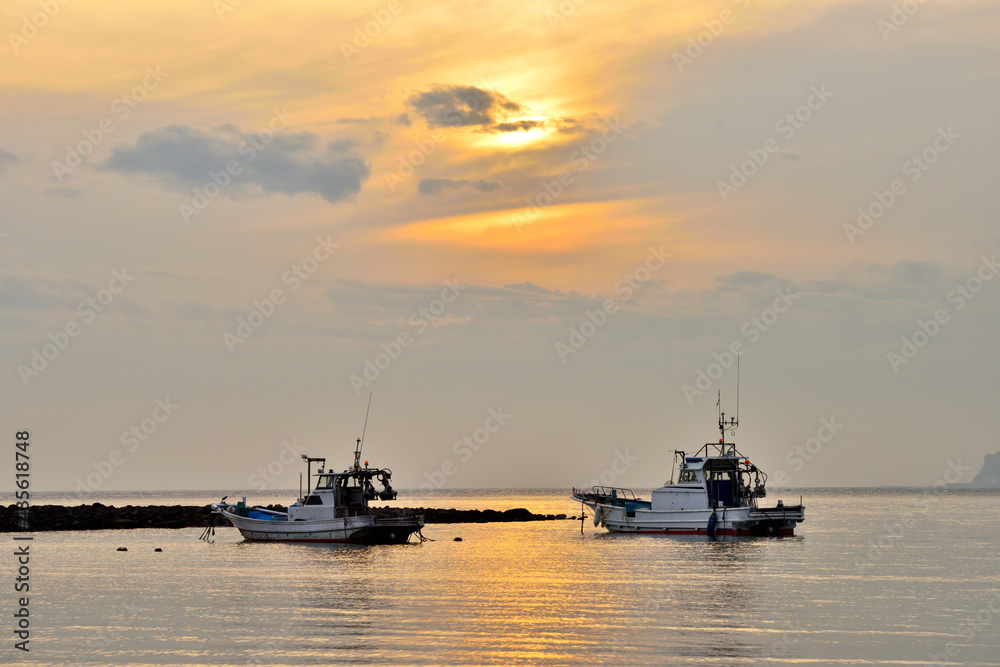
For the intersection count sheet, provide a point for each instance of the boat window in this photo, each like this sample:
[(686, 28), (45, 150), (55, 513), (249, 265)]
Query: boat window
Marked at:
[(325, 482), (688, 476)]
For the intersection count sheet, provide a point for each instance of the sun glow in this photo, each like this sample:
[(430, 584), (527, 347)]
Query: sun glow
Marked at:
[(549, 229), (536, 129)]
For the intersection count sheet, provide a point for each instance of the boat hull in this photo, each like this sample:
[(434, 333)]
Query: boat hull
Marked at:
[(365, 529), (775, 521)]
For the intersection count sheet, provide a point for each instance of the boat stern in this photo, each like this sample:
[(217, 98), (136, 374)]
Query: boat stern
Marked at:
[(778, 520)]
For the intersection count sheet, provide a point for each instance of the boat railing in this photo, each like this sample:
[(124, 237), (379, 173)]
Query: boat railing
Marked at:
[(606, 493)]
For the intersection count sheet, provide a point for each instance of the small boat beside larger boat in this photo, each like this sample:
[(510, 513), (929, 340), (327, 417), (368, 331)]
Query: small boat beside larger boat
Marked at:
[(334, 510), (718, 492)]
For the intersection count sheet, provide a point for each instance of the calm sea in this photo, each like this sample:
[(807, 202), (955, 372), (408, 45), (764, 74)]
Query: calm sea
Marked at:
[(879, 577)]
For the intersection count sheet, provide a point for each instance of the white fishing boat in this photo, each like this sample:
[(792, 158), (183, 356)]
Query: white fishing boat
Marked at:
[(718, 492), (334, 510)]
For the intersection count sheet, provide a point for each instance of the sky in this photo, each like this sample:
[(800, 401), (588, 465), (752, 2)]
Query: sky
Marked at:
[(536, 235)]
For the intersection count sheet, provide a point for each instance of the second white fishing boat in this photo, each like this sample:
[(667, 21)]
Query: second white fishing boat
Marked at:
[(718, 492)]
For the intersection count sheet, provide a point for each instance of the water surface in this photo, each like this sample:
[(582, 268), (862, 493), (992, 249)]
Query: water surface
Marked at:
[(885, 577)]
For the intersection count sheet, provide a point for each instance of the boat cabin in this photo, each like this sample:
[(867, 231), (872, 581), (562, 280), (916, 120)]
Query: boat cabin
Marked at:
[(340, 494), (719, 476)]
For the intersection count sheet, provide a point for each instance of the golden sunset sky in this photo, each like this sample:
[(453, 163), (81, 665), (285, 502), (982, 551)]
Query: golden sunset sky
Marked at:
[(537, 153)]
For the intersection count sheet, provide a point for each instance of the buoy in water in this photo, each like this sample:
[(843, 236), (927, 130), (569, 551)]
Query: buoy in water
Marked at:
[(458, 539), (122, 549), (157, 549)]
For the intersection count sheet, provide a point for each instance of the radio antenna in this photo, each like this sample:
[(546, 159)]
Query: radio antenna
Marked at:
[(737, 388), (361, 440)]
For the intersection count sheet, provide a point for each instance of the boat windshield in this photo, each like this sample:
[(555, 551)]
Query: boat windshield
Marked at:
[(325, 482)]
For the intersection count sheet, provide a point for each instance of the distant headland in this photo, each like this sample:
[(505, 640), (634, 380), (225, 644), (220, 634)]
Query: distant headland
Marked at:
[(990, 474)]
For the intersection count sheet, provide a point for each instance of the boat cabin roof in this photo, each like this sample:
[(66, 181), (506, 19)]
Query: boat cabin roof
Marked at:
[(731, 459)]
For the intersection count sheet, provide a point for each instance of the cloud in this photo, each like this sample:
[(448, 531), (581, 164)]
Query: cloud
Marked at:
[(7, 158), (528, 286), (402, 119), (21, 293), (434, 187), (461, 106), (517, 126), (184, 157), (747, 280)]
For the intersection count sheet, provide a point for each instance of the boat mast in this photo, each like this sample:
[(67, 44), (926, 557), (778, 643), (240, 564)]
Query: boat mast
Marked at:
[(361, 440), (733, 422)]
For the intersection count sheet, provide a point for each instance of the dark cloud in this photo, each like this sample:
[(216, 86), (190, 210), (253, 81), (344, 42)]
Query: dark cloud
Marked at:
[(570, 126), (183, 157), (436, 186), (517, 126), (528, 286), (461, 106), (343, 145)]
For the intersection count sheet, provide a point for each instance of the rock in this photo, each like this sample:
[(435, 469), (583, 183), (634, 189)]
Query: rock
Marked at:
[(157, 549), (990, 474), (458, 539), (121, 549)]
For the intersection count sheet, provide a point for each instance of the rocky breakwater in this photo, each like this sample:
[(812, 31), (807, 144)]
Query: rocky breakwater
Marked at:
[(104, 517)]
